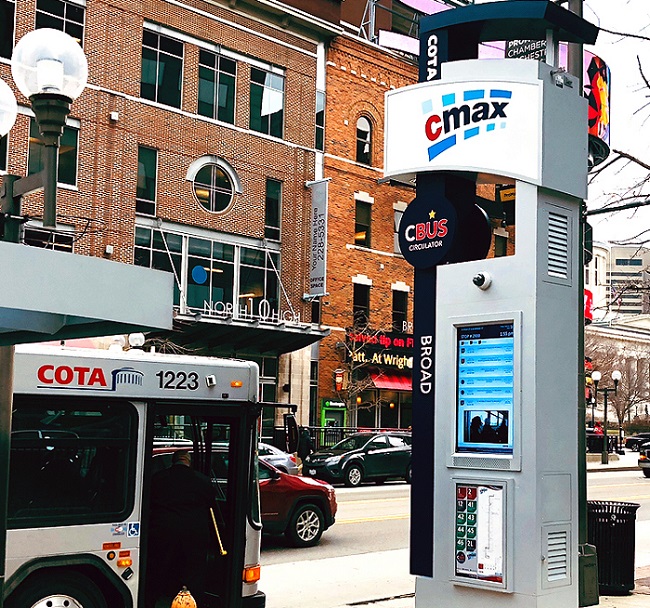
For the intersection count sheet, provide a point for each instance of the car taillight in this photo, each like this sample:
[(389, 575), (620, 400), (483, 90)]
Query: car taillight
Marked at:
[(292, 458), (643, 457)]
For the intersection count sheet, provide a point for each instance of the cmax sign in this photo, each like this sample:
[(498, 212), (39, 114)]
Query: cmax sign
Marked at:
[(485, 126)]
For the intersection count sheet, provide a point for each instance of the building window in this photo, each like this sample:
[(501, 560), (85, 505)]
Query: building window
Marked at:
[(216, 86), (398, 211), (219, 279), (400, 309), (67, 153), (213, 188), (3, 152), (145, 194), (629, 262), (48, 239), (361, 305), (159, 250), (500, 245), (320, 120), (258, 281), (7, 22), (362, 223), (60, 15), (162, 69), (266, 102), (364, 141), (272, 209)]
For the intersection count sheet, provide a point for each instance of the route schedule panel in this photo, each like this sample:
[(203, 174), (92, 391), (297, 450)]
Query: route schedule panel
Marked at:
[(485, 388), (480, 532)]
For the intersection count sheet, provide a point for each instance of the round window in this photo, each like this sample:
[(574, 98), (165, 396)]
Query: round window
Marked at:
[(213, 188)]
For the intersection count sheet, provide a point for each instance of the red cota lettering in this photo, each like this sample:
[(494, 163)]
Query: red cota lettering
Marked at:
[(41, 374), (97, 377)]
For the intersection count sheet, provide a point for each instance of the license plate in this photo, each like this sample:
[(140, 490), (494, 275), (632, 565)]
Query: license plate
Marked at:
[(312, 471)]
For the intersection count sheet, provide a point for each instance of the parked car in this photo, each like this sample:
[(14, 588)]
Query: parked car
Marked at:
[(361, 457), (644, 458), (298, 507), (279, 459), (633, 442)]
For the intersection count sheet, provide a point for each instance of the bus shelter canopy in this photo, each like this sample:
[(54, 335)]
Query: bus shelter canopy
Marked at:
[(54, 295)]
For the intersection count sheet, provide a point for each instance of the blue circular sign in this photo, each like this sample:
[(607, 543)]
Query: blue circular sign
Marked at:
[(199, 275), (426, 231)]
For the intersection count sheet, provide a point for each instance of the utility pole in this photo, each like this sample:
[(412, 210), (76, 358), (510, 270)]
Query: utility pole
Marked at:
[(587, 565)]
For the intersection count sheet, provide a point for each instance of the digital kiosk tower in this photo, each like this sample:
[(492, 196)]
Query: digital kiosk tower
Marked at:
[(496, 357)]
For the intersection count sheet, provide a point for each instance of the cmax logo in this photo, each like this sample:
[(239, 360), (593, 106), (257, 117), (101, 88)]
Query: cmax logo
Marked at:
[(481, 111)]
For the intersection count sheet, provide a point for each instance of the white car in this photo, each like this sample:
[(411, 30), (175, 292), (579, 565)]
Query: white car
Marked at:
[(279, 459)]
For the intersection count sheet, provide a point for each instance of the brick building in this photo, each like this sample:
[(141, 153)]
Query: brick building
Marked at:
[(189, 152), (369, 282)]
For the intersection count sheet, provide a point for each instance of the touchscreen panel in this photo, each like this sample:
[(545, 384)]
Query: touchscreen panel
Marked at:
[(485, 388)]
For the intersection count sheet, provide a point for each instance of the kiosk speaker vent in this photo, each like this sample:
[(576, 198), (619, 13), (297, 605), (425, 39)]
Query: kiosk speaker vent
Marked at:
[(557, 555), (481, 463), (558, 245)]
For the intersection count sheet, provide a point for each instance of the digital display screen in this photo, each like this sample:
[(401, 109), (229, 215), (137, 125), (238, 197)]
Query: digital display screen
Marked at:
[(485, 378)]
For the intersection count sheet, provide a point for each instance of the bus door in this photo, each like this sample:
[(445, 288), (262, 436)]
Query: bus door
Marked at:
[(221, 438)]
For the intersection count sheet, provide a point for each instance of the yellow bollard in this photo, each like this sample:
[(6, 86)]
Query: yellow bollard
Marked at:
[(184, 599)]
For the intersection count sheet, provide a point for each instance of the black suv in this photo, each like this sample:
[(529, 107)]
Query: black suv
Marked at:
[(362, 456)]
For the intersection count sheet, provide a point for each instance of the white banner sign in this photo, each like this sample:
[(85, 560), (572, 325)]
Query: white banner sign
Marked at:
[(318, 254), (483, 126)]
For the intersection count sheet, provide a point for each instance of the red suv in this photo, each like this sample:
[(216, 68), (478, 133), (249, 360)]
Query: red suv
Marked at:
[(299, 507)]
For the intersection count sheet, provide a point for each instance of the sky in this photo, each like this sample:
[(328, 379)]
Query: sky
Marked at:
[(629, 114)]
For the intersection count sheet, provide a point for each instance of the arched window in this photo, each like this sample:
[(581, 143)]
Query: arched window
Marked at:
[(214, 183), (364, 140)]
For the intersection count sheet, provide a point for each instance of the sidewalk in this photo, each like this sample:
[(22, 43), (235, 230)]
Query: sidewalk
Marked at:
[(639, 598), (628, 461)]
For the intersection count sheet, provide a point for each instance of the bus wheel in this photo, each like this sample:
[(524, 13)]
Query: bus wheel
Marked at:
[(60, 590), (306, 526)]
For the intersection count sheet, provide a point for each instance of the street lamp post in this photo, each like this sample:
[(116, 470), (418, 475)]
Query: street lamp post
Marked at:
[(596, 377), (51, 70)]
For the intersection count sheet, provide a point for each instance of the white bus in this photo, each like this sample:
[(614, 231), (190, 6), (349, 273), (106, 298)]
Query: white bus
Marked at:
[(89, 429)]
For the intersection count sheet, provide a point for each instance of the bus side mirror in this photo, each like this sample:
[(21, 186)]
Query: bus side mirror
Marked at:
[(291, 432)]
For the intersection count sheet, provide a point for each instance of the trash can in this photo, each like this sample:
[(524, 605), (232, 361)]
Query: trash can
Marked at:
[(610, 527)]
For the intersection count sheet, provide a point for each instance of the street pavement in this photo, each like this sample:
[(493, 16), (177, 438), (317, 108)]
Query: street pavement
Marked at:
[(384, 579)]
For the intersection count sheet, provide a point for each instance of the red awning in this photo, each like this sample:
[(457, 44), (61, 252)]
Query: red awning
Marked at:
[(391, 380)]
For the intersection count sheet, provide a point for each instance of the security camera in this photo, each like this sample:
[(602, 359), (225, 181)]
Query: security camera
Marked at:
[(482, 280)]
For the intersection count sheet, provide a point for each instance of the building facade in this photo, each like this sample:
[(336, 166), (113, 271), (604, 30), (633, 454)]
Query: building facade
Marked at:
[(619, 279), (189, 152), (368, 307)]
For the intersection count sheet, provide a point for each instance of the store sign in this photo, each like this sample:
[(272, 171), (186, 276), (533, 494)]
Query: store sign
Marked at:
[(386, 349), (493, 127), (265, 312)]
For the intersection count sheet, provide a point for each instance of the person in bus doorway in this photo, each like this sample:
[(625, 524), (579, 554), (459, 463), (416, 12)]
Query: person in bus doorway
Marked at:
[(179, 531)]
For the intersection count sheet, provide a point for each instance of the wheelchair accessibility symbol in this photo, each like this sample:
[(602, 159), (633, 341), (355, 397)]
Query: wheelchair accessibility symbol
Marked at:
[(133, 529)]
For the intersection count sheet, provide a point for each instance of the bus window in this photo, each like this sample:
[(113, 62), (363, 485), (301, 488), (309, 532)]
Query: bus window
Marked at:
[(70, 462)]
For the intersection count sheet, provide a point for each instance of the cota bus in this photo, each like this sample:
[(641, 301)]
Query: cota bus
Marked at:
[(87, 428)]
